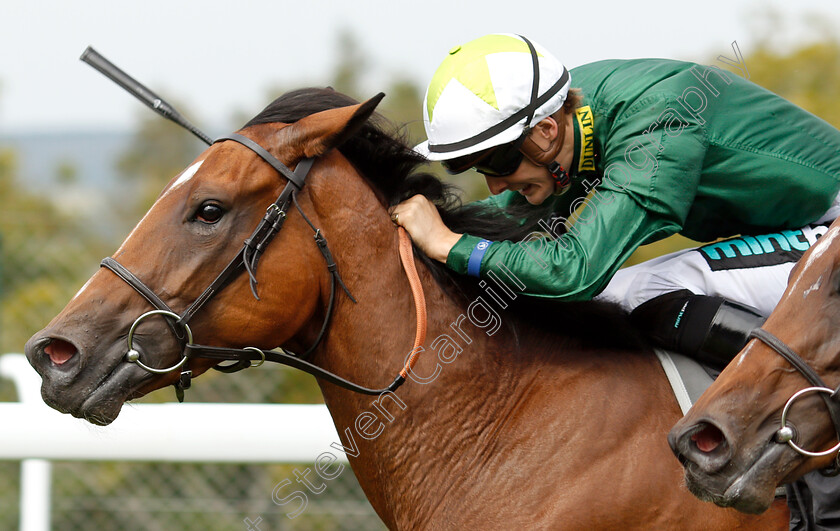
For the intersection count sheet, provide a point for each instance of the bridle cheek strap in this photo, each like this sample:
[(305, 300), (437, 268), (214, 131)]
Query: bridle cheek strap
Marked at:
[(832, 401)]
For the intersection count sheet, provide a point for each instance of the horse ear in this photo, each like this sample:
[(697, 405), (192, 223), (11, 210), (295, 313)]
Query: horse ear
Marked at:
[(318, 133)]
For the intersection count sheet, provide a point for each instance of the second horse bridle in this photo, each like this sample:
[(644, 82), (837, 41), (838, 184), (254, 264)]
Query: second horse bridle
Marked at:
[(247, 260), (785, 433)]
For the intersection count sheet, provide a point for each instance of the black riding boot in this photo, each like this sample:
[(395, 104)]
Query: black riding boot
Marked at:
[(709, 329)]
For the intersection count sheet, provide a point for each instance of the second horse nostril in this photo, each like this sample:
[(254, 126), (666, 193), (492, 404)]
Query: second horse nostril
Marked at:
[(708, 439)]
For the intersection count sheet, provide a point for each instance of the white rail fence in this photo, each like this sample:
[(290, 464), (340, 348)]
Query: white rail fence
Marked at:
[(34, 434)]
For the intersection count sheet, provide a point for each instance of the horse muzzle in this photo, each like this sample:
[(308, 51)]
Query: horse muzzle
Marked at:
[(85, 376), (717, 473)]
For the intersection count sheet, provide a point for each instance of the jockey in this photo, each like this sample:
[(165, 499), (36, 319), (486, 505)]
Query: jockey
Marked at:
[(636, 151)]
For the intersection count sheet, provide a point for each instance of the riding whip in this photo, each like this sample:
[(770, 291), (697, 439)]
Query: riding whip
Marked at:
[(139, 91)]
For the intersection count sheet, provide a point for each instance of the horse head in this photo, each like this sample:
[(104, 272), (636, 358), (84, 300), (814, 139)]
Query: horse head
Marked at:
[(731, 442), (194, 230)]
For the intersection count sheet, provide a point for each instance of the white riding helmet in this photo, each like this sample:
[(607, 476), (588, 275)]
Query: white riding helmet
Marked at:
[(488, 92)]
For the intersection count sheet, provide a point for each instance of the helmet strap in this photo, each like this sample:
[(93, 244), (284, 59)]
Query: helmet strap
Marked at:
[(562, 181), (538, 155), (546, 159)]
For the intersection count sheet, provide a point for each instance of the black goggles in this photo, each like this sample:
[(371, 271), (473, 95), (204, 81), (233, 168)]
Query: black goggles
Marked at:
[(497, 161)]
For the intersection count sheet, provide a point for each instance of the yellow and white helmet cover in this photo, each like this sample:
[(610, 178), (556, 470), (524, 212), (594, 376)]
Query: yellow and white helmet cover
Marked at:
[(485, 93)]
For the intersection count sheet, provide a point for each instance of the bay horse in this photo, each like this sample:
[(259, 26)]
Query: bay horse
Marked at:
[(763, 423), (518, 414)]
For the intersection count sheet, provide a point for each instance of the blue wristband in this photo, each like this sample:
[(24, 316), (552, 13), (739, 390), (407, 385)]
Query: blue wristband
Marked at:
[(477, 254)]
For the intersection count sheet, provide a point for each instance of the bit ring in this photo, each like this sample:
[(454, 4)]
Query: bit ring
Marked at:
[(133, 356), (785, 433)]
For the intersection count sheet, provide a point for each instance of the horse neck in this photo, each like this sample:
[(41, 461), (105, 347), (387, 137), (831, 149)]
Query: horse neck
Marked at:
[(418, 425), (369, 340), (368, 343)]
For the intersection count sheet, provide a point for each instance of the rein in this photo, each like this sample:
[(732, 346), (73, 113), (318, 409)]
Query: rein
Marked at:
[(785, 433), (407, 259), (247, 260)]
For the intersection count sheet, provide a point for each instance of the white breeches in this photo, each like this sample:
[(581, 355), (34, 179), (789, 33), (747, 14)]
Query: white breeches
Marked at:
[(749, 270)]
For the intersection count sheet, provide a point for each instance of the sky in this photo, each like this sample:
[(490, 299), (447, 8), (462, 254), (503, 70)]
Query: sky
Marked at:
[(221, 57)]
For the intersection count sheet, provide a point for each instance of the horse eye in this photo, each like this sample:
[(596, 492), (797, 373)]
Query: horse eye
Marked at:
[(209, 213)]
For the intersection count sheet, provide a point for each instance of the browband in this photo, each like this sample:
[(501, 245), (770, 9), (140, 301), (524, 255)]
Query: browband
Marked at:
[(265, 155)]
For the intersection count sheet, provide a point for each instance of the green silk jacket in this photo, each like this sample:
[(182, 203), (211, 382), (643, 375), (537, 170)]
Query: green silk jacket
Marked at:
[(666, 147)]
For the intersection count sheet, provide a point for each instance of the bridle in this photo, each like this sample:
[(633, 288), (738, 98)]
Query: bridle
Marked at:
[(247, 260), (785, 433)]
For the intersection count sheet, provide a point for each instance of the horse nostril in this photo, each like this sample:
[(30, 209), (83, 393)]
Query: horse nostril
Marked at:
[(60, 351), (704, 446), (708, 439)]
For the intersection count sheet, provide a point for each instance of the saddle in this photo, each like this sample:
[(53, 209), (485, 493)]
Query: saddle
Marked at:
[(688, 378)]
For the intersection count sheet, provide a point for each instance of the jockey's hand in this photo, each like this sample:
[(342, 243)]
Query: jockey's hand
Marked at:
[(420, 218)]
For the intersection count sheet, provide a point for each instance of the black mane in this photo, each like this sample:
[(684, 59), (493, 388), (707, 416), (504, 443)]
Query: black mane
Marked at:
[(390, 165)]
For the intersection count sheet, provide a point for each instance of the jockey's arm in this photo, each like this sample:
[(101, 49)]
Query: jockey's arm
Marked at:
[(636, 201), (576, 265)]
